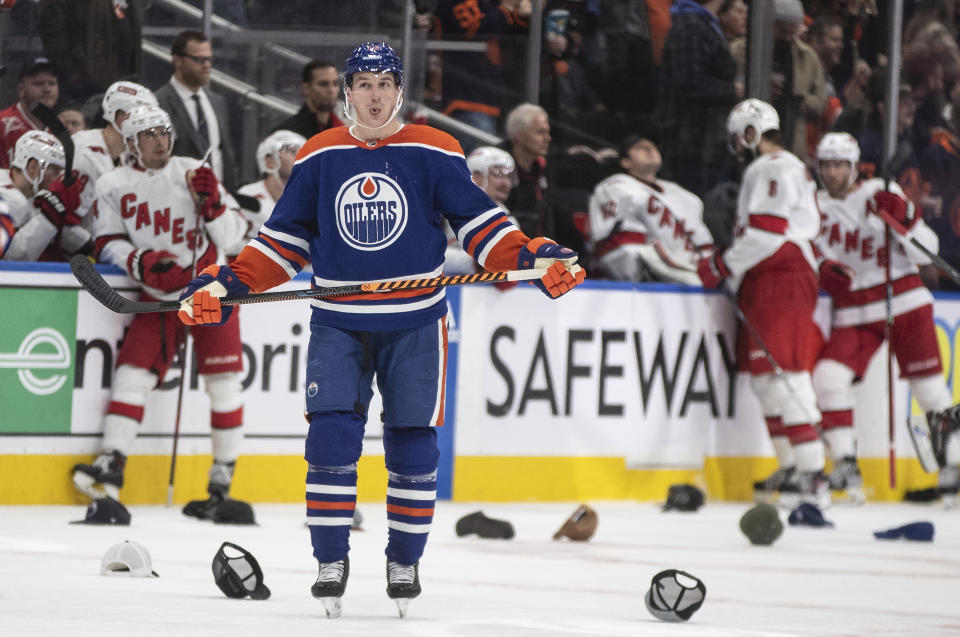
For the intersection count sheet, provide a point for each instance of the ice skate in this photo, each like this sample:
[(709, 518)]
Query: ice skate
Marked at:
[(221, 475), (809, 486), (330, 585), (846, 478), (403, 584), (103, 478), (948, 487), (768, 489)]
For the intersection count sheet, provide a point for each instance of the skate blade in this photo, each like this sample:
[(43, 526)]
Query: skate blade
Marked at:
[(332, 606), (852, 496), (765, 497), (402, 606), (94, 490), (919, 430)]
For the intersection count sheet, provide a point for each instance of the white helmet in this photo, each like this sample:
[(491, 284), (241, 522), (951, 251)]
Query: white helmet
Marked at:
[(125, 96), (273, 144), (752, 113), (840, 147), (41, 146), (144, 118), (484, 158)]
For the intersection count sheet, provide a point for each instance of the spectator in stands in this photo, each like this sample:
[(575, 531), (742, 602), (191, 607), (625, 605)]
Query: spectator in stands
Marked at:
[(530, 202), (697, 91), (825, 37), (940, 165), (565, 90), (199, 115), (37, 85), (733, 16), (864, 34), (321, 93), (473, 83), (92, 42), (630, 42), (72, 118), (797, 87)]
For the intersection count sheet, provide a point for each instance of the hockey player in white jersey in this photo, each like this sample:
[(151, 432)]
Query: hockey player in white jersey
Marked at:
[(38, 209), (100, 150), (854, 235), (492, 169), (152, 218), (646, 228), (772, 268), (275, 155)]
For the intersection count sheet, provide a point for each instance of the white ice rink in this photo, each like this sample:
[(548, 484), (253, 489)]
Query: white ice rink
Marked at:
[(838, 581)]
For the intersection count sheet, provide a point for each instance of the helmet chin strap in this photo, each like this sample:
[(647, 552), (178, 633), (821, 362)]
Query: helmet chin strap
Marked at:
[(350, 112)]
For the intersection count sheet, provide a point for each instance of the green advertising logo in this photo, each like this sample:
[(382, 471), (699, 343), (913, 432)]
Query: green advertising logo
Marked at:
[(37, 343)]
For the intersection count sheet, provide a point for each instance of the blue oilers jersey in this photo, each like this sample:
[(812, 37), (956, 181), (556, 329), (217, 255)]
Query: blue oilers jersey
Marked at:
[(372, 211)]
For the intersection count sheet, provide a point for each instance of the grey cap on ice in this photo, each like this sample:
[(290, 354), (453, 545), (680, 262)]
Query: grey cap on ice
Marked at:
[(674, 596)]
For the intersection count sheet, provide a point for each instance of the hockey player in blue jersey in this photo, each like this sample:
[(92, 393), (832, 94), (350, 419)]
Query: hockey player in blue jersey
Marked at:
[(365, 203)]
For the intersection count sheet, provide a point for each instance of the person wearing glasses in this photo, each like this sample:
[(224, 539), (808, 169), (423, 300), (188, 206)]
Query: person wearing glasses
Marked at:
[(158, 218), (321, 94), (199, 115)]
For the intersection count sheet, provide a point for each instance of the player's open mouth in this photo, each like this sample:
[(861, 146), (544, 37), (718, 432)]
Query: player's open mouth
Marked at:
[(374, 111)]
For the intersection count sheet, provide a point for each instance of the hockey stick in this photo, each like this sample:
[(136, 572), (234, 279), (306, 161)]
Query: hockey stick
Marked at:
[(183, 357), (939, 262), (49, 119), (888, 336), (86, 273)]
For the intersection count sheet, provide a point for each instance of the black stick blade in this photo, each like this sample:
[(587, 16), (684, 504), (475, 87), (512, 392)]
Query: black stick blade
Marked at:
[(99, 289)]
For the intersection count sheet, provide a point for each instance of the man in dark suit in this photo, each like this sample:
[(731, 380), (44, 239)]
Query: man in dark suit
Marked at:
[(321, 90), (199, 115)]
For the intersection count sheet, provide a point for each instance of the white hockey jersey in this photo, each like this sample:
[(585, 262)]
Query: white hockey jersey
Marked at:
[(853, 234), (258, 190), (92, 160), (153, 210), (777, 204), (626, 212), (34, 232)]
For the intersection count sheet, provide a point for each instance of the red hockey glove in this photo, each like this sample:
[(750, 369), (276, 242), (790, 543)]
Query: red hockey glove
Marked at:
[(563, 274), (59, 203), (200, 301), (897, 207), (835, 278), (157, 269), (712, 270), (205, 185)]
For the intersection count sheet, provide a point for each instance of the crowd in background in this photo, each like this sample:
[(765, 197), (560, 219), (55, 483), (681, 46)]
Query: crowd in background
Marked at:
[(671, 69)]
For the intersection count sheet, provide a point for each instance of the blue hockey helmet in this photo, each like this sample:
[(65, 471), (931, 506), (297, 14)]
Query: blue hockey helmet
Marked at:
[(373, 57)]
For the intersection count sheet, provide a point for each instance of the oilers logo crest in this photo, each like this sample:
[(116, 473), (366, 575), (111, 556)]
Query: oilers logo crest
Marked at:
[(371, 211)]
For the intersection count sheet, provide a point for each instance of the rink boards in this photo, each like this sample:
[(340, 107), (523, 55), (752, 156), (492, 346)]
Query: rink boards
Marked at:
[(614, 391)]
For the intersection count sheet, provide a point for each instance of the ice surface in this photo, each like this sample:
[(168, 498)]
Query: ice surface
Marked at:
[(837, 581)]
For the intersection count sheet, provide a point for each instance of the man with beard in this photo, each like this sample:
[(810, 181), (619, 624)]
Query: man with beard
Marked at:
[(321, 91), (199, 115)]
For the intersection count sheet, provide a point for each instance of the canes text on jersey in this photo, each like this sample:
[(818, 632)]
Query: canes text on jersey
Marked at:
[(159, 219)]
